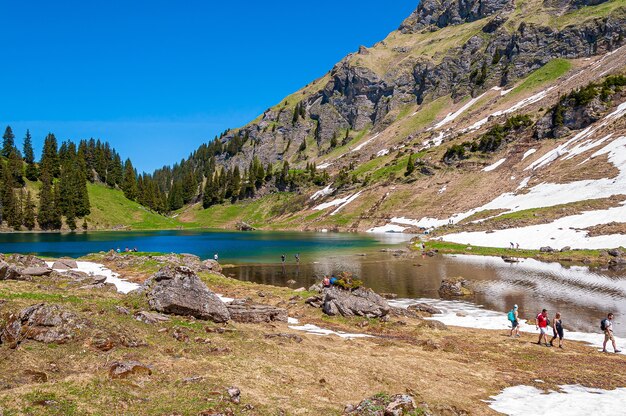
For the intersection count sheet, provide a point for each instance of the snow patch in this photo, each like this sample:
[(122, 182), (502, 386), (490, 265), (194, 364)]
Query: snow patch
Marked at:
[(96, 269), (322, 192), (452, 116), (346, 202), (389, 228), (568, 400), (383, 152), (365, 143), (324, 165), (494, 166), (528, 153)]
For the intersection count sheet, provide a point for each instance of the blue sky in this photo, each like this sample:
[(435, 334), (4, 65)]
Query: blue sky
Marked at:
[(157, 78)]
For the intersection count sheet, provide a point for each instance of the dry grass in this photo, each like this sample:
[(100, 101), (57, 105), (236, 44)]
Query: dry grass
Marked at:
[(317, 376)]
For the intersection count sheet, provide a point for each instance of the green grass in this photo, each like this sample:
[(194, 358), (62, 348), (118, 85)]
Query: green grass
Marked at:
[(111, 209), (589, 12), (426, 114), (547, 73)]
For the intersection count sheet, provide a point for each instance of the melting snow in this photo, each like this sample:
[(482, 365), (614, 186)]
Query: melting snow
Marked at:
[(389, 228), (494, 166), (346, 202), (568, 400), (324, 165), (316, 330), (383, 152), (322, 192), (523, 184), (96, 269), (452, 116), (528, 153), (365, 143)]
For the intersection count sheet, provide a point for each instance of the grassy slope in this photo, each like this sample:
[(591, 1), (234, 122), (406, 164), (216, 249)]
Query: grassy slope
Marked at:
[(110, 209)]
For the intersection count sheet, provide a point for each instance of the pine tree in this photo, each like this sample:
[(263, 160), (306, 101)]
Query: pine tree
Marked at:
[(175, 197), (333, 141), (16, 167), (129, 185), (46, 202), (410, 166), (8, 142), (50, 157), (29, 212), (57, 221), (29, 157), (9, 202)]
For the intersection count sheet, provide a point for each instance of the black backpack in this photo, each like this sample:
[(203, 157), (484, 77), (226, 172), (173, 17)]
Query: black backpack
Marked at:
[(603, 325)]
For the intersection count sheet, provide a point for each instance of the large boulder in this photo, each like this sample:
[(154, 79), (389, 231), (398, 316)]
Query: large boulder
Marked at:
[(253, 313), (43, 323), (384, 405), (424, 307), (179, 291), (454, 287), (37, 271), (212, 266), (64, 264), (126, 369), (358, 302)]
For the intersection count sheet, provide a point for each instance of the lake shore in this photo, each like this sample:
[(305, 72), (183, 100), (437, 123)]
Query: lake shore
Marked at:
[(193, 362)]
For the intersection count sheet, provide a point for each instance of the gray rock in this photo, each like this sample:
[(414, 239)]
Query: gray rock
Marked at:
[(566, 248), (212, 266), (424, 307), (151, 317), (616, 252), (252, 313), (43, 323), (178, 290), (454, 287), (234, 393), (547, 249), (126, 369), (37, 271), (64, 264), (359, 302)]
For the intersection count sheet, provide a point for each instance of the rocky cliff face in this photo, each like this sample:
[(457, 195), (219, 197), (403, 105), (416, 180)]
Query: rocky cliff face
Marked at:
[(356, 95)]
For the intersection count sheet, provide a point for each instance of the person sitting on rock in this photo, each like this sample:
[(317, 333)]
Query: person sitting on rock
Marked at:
[(326, 281), (333, 279)]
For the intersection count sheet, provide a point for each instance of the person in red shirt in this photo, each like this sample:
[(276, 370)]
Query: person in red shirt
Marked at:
[(542, 325)]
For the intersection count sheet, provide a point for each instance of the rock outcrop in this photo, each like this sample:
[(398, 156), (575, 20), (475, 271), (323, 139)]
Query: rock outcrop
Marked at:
[(179, 291), (126, 369), (359, 302), (43, 323), (244, 312), (454, 287), (383, 405)]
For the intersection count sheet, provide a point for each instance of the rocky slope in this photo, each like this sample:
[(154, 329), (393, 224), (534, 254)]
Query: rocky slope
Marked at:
[(461, 85)]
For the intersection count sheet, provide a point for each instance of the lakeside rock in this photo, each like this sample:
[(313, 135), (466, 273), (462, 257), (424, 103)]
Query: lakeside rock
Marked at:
[(64, 264), (43, 323), (383, 405), (454, 287), (424, 307), (244, 312), (359, 302), (179, 291)]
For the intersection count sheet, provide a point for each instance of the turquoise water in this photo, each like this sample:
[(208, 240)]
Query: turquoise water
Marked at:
[(231, 247)]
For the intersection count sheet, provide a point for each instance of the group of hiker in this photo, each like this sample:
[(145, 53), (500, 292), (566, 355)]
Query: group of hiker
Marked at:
[(543, 322), (283, 258)]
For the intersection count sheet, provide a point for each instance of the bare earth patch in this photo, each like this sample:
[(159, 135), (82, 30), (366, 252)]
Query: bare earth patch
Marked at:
[(607, 229)]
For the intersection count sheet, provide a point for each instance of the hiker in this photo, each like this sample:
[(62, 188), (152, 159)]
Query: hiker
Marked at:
[(557, 330), (326, 281), (542, 325), (607, 326), (512, 245), (215, 257), (516, 246), (333, 279), (297, 256), (282, 258), (118, 250), (514, 319)]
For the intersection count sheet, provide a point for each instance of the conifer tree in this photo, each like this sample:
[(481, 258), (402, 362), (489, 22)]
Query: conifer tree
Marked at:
[(9, 203), (29, 157), (8, 141), (16, 168), (29, 212), (410, 166), (175, 197), (129, 185), (57, 220), (50, 157), (46, 202)]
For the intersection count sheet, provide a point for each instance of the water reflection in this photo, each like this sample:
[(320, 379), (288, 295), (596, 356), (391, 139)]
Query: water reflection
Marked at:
[(583, 296)]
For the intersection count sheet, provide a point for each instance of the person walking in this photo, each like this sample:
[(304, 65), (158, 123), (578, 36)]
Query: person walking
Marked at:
[(215, 257), (557, 330), (542, 325), (514, 318), (297, 256), (607, 326), (282, 258)]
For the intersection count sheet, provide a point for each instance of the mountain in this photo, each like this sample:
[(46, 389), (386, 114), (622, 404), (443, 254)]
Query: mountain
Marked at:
[(483, 100)]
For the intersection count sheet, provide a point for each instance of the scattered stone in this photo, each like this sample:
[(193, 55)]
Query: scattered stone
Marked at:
[(180, 335), (300, 289), (212, 266), (151, 317), (547, 249), (315, 301), (292, 337), (261, 294), (291, 282), (37, 271), (244, 312), (64, 264), (389, 295), (433, 324), (383, 405), (454, 287), (244, 226), (122, 310), (424, 307), (566, 248), (178, 290), (508, 259), (358, 302), (125, 369), (616, 253), (317, 287), (235, 394), (43, 323)]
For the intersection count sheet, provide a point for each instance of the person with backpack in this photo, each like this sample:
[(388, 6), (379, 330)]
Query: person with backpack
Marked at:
[(557, 330), (607, 326), (514, 319), (542, 325)]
